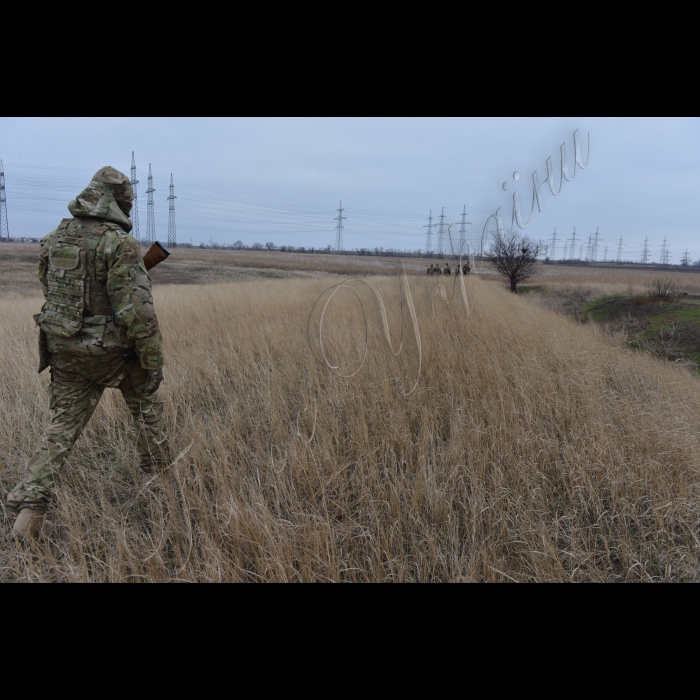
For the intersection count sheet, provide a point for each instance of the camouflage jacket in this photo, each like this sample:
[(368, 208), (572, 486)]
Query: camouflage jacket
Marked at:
[(115, 311)]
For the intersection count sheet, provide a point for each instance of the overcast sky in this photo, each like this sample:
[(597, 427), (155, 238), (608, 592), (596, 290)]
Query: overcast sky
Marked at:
[(281, 179)]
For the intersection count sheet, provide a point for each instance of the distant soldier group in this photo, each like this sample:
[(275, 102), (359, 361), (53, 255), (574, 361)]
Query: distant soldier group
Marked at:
[(447, 270)]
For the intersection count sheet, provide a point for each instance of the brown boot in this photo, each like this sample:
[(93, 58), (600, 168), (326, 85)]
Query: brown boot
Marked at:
[(30, 524)]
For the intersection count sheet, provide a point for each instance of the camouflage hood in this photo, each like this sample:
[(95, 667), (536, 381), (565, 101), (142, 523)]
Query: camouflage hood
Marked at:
[(108, 196)]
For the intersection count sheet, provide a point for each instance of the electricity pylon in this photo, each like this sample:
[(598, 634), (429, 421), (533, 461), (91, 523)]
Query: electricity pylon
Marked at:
[(573, 244), (135, 206), (339, 228), (150, 213), (441, 234), (463, 231), (645, 251), (665, 253), (554, 244), (605, 254), (4, 226), (429, 235), (619, 251), (595, 246), (685, 260), (172, 235)]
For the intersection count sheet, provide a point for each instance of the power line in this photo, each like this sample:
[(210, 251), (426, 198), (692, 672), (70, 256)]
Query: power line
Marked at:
[(231, 212), (339, 228)]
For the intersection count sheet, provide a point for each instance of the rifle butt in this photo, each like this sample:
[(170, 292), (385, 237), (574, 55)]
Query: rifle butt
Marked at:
[(155, 255)]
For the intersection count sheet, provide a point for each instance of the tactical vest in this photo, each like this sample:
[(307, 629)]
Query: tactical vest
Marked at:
[(76, 276)]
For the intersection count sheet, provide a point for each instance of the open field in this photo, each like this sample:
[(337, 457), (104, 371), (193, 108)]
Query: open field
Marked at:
[(534, 447), (207, 266), (590, 281)]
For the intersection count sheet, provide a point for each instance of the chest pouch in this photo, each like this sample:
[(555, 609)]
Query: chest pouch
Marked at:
[(63, 311)]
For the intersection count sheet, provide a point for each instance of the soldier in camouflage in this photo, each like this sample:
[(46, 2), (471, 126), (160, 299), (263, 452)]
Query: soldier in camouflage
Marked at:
[(98, 329)]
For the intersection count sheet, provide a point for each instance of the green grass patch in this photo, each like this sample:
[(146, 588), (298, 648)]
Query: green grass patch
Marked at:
[(680, 316), (670, 330), (605, 308), (527, 288)]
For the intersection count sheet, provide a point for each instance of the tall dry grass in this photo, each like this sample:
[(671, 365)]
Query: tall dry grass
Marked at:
[(613, 280), (566, 289), (532, 449)]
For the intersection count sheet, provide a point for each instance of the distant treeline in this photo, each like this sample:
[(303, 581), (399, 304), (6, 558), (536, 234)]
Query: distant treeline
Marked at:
[(327, 250), (693, 266), (627, 264)]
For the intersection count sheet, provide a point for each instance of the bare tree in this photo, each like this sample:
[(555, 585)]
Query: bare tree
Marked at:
[(663, 288), (515, 257), (270, 246)]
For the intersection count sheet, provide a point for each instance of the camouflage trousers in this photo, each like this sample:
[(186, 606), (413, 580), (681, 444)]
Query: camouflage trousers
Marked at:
[(73, 399)]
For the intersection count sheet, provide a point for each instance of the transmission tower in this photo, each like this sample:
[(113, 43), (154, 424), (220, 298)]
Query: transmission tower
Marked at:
[(589, 247), (441, 234), (172, 236), (685, 260), (619, 251), (135, 206), (150, 214), (554, 244), (605, 254), (339, 228), (566, 248), (665, 253), (645, 251), (463, 231), (429, 235), (573, 244), (580, 253), (4, 226), (594, 250)]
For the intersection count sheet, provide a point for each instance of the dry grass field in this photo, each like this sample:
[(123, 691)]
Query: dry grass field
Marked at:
[(206, 266), (534, 447)]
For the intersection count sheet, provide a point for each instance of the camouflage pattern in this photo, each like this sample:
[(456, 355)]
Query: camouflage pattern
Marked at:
[(109, 197), (73, 399), (91, 270), (116, 304)]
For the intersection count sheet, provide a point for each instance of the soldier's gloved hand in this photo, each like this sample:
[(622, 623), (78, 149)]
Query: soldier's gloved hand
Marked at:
[(153, 380)]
